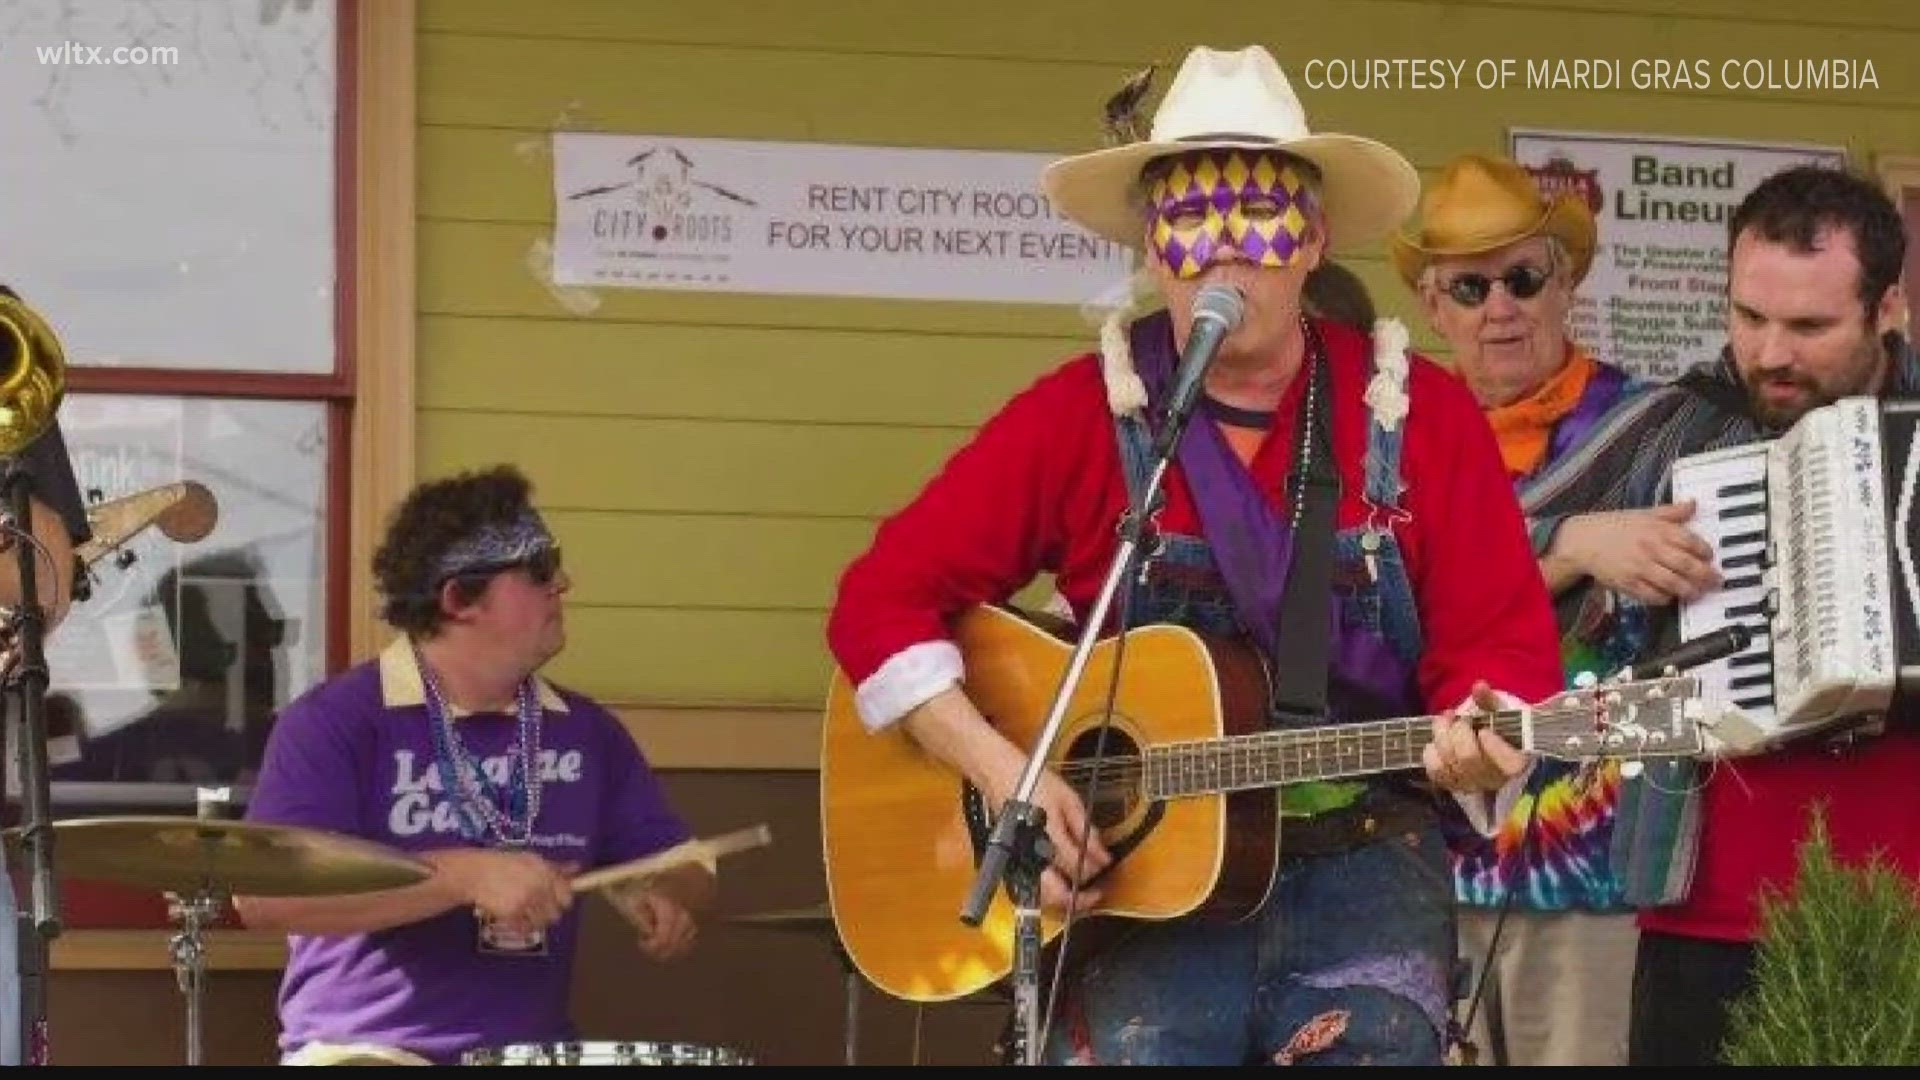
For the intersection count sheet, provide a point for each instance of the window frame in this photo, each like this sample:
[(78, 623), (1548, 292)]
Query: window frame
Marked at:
[(369, 396)]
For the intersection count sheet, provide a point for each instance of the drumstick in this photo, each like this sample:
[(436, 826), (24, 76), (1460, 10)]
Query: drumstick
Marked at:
[(679, 855)]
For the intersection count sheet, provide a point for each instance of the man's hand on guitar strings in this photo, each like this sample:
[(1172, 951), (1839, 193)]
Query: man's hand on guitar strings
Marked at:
[(1078, 854), (1067, 829), (1466, 757), (950, 728)]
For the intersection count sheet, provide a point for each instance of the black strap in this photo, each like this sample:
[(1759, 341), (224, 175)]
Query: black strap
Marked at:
[(1299, 684)]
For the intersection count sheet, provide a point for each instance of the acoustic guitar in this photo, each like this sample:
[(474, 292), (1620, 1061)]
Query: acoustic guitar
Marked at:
[(1187, 792)]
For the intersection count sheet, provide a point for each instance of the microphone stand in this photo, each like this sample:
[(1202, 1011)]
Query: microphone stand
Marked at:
[(39, 921), (1018, 848)]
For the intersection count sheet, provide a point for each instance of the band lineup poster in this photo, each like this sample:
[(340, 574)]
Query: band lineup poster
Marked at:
[(656, 212), (1655, 301)]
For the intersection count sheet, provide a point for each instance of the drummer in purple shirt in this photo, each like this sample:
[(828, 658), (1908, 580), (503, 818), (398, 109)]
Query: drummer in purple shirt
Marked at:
[(451, 748)]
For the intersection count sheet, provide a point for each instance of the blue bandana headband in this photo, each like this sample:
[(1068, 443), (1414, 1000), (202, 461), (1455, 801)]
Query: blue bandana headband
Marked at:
[(500, 543)]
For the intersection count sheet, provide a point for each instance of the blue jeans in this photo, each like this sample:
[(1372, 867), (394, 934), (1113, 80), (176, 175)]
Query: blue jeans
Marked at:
[(1349, 963)]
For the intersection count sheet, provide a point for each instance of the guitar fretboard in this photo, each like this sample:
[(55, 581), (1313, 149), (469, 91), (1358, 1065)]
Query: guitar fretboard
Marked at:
[(1246, 762)]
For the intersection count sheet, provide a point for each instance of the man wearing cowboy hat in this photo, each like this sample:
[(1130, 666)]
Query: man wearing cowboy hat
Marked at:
[(1374, 466), (1495, 265)]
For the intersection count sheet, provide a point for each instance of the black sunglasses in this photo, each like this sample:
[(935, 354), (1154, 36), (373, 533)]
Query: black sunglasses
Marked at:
[(1523, 281)]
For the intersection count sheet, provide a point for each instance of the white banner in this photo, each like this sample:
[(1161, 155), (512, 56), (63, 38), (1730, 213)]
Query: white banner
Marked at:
[(1655, 301), (644, 211)]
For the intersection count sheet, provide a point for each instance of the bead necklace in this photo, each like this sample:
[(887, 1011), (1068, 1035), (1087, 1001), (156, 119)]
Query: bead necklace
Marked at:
[(1310, 420), (469, 790)]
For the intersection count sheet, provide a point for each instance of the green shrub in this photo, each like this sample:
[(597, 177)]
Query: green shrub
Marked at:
[(1836, 968)]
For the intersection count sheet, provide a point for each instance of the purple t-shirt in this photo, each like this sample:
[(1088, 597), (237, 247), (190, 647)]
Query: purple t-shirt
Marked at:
[(340, 760)]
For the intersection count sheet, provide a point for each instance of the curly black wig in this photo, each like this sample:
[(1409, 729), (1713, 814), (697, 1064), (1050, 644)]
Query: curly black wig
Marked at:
[(433, 517)]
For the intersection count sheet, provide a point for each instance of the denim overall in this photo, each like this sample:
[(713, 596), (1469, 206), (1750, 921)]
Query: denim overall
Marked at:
[(1349, 962)]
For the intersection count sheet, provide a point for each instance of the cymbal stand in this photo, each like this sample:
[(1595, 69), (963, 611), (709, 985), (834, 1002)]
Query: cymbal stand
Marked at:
[(197, 911), (850, 1021), (189, 954)]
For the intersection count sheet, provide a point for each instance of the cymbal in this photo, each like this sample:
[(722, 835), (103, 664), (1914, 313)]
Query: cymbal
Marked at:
[(183, 854), (817, 917)]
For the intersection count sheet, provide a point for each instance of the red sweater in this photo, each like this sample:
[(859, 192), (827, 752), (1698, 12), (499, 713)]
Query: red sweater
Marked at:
[(1756, 815), (1039, 488)]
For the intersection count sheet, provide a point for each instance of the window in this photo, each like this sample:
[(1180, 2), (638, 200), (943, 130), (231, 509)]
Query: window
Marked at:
[(173, 668), (180, 210)]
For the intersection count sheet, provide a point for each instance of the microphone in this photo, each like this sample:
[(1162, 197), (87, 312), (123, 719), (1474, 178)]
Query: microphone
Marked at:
[(1704, 649), (1217, 310)]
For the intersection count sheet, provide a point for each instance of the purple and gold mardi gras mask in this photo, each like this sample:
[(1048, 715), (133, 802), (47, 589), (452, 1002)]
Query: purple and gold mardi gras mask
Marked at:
[(1202, 203)]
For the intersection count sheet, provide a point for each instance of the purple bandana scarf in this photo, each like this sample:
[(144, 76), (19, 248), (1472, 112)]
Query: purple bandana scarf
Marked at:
[(498, 543), (1252, 544)]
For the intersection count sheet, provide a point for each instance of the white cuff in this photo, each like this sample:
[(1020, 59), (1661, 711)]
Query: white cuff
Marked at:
[(907, 681), (1475, 803)]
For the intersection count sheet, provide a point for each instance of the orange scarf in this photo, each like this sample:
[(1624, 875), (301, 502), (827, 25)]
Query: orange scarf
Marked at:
[(1524, 427)]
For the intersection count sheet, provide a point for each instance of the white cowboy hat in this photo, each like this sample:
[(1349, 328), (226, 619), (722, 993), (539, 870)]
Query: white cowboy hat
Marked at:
[(1238, 99)]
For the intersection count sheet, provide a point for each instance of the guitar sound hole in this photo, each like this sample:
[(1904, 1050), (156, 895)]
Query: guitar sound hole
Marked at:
[(1118, 777)]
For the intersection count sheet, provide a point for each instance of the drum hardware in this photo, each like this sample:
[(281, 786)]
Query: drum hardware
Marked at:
[(605, 1053), (817, 917), (200, 863), (189, 956)]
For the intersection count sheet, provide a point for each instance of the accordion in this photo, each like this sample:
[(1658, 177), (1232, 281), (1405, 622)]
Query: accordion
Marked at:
[(1814, 537)]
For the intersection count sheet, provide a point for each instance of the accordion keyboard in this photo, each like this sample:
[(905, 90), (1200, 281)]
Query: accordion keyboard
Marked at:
[(1729, 491), (1799, 527)]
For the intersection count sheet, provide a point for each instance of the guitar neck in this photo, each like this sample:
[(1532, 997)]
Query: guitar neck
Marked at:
[(113, 523), (1271, 758)]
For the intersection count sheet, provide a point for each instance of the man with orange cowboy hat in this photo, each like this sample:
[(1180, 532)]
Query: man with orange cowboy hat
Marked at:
[(1495, 265), (1336, 504)]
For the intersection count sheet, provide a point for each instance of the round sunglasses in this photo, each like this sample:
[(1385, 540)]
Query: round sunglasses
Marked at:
[(1523, 281)]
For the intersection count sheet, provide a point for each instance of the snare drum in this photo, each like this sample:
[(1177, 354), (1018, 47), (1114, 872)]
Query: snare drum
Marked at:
[(605, 1053)]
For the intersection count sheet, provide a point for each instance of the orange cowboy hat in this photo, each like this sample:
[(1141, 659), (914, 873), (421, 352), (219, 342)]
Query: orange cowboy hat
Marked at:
[(1481, 203)]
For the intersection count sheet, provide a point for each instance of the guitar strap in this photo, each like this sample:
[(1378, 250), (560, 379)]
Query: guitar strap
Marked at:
[(1299, 683)]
